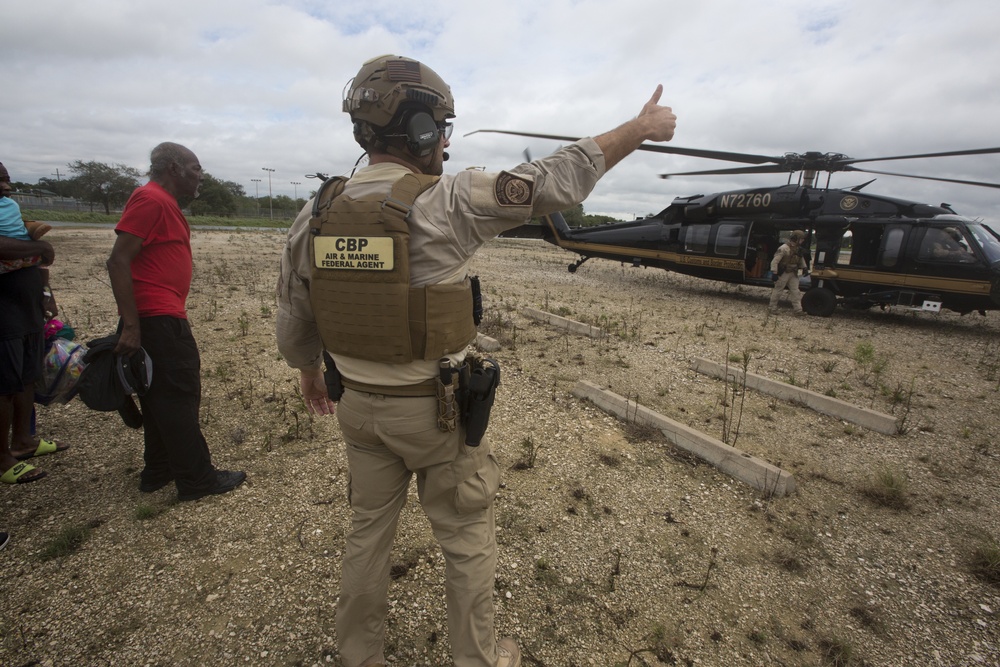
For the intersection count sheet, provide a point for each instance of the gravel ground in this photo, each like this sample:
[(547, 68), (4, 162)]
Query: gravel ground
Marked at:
[(615, 547)]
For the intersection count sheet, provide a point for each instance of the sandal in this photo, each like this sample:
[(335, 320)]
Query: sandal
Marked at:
[(44, 447), (16, 475)]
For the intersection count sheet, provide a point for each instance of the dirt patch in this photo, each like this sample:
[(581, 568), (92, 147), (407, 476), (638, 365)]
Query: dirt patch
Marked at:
[(615, 547)]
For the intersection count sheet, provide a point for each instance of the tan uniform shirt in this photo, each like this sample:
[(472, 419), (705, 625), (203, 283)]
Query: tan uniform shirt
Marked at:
[(787, 259), (449, 222)]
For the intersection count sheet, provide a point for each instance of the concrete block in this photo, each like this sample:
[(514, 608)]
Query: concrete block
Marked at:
[(578, 328), (487, 344), (827, 405), (751, 470)]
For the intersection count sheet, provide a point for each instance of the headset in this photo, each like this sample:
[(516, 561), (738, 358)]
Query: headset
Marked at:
[(422, 134)]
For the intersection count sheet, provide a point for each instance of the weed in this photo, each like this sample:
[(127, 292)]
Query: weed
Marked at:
[(145, 511), (213, 310), (887, 488), (837, 652), (869, 619), (732, 419), (500, 326), (902, 424), (529, 455), (788, 559), (244, 323), (544, 573), (870, 366), (68, 540), (611, 460), (985, 561), (661, 645)]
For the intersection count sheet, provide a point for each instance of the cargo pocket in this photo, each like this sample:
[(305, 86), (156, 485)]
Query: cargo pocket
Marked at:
[(478, 491)]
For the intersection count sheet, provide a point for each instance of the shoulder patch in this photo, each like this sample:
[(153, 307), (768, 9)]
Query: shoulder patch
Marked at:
[(513, 190)]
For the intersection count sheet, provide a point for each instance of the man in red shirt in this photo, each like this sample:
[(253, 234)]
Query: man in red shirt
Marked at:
[(150, 269)]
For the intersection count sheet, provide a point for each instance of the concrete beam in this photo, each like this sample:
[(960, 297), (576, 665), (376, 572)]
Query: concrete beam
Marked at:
[(756, 472), (578, 328), (834, 407), (487, 344)]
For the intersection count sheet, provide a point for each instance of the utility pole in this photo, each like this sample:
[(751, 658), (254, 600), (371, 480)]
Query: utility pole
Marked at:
[(256, 189), (296, 184), (270, 203), (56, 175)]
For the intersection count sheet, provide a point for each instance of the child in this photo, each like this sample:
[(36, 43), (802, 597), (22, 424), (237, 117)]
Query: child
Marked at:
[(12, 226)]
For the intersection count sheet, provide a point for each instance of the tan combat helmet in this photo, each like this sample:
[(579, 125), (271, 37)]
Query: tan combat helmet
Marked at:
[(797, 235), (386, 84)]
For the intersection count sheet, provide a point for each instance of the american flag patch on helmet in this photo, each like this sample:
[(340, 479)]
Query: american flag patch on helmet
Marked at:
[(403, 70)]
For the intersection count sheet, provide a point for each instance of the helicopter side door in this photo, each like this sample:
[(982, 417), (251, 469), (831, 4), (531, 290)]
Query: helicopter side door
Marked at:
[(868, 263)]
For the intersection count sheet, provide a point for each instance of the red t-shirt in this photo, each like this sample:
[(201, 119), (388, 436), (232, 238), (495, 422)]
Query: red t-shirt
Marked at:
[(161, 272)]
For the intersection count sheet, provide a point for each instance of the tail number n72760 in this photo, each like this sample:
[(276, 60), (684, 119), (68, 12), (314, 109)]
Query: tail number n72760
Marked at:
[(745, 200)]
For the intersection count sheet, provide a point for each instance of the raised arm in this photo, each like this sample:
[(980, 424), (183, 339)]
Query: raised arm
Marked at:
[(654, 123)]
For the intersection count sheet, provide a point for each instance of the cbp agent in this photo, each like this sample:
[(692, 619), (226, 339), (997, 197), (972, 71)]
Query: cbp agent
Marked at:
[(388, 330), (785, 267)]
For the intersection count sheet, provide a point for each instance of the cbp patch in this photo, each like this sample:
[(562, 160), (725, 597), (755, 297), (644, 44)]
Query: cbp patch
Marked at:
[(513, 190)]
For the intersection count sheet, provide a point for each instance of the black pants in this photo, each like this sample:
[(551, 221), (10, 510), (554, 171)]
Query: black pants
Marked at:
[(175, 446)]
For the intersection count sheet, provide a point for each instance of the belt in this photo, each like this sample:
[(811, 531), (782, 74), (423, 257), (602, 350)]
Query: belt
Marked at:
[(425, 388)]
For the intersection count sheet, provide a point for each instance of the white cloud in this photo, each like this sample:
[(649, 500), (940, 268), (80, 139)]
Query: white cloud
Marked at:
[(251, 83)]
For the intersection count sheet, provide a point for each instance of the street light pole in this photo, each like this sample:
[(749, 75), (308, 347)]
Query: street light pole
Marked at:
[(296, 184), (270, 203), (256, 189)]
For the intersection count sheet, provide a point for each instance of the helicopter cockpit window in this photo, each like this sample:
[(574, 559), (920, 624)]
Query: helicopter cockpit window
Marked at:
[(945, 244), (987, 240), (729, 239), (696, 238)]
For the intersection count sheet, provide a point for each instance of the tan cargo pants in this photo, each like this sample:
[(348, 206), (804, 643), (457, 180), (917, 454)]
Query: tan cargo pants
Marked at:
[(390, 439), (789, 280)]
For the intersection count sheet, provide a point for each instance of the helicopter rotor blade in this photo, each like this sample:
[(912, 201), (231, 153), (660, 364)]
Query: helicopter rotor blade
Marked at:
[(748, 158), (925, 178), (788, 163), (762, 169), (973, 151)]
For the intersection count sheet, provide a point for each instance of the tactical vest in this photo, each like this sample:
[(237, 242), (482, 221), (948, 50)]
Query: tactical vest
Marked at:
[(789, 261), (360, 288)]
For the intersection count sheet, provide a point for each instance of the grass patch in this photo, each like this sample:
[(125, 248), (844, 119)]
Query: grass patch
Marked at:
[(144, 511), (985, 562), (68, 540), (887, 488), (837, 652)]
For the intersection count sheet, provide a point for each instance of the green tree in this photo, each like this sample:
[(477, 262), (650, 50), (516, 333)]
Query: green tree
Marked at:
[(216, 197), (574, 216), (104, 184), (62, 187)]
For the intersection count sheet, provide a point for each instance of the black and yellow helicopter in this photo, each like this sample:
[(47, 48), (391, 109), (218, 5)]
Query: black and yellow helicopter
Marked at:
[(864, 249)]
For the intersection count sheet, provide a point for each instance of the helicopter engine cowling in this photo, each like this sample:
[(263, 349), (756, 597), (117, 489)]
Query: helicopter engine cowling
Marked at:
[(788, 200)]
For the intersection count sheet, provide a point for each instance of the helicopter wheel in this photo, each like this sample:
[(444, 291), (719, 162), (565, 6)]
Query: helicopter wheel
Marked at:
[(819, 302)]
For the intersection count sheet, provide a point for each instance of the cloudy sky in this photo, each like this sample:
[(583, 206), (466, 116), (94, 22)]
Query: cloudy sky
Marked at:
[(255, 84)]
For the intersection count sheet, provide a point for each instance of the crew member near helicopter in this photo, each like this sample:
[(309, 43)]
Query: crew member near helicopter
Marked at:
[(401, 111), (785, 271)]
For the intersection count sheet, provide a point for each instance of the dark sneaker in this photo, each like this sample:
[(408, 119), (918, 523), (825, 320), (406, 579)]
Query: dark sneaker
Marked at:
[(147, 486), (508, 654), (225, 481)]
